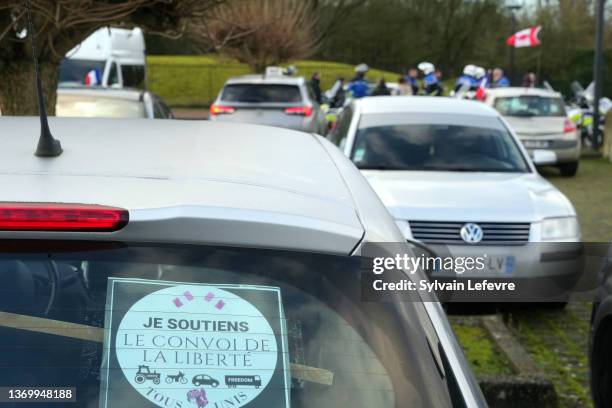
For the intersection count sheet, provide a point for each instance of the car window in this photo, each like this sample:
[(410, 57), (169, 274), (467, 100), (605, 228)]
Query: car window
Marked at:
[(530, 105), (74, 71), (113, 76), (89, 106), (161, 110), (437, 147), (261, 93), (133, 76), (133, 322)]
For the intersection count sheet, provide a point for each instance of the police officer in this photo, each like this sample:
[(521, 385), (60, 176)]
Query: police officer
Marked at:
[(467, 81), (431, 84), (358, 86)]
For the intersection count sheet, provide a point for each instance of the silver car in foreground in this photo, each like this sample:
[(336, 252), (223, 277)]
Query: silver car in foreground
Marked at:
[(540, 121), (152, 253), (454, 176), (272, 99)]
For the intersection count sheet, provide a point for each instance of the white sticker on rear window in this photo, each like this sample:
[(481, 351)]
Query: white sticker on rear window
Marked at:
[(184, 345)]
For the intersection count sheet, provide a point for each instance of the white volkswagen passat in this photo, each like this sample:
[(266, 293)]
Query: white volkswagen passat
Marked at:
[(454, 176)]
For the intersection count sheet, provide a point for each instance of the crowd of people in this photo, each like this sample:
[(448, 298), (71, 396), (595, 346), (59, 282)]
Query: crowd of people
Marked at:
[(425, 79)]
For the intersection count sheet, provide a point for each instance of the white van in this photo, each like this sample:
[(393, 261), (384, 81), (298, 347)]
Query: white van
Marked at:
[(110, 57)]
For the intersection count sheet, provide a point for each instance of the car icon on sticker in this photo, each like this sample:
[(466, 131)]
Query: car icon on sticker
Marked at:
[(203, 379)]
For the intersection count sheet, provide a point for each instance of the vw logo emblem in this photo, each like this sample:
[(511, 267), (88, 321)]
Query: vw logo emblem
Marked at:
[(471, 233)]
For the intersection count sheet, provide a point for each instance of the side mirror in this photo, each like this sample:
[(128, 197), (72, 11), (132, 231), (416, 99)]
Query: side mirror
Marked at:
[(543, 157)]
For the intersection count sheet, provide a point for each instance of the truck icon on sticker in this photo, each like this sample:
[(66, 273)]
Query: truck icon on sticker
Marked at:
[(232, 381)]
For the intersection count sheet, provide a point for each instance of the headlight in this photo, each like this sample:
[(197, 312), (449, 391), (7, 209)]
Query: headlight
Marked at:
[(560, 228)]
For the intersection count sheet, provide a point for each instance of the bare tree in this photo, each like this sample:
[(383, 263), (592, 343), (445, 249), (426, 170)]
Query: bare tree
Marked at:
[(62, 24), (261, 32)]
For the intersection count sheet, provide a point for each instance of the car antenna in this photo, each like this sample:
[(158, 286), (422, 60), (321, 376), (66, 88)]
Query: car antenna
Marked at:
[(48, 146)]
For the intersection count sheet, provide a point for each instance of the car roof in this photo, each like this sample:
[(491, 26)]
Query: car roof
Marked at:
[(112, 93), (276, 187), (266, 79), (422, 104), (518, 91)]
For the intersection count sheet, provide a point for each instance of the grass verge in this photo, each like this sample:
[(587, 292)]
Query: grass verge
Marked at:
[(195, 81)]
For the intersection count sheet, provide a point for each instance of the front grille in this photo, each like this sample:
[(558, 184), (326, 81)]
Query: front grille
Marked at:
[(447, 232)]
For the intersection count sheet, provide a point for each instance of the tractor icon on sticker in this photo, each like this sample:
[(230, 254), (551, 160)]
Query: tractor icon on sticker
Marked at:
[(144, 373), (233, 381)]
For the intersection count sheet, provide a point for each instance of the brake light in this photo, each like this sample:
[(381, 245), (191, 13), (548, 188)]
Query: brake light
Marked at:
[(299, 110), (568, 126), (61, 217), (221, 109)]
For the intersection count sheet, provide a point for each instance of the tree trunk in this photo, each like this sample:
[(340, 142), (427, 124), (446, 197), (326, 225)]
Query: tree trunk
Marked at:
[(18, 88)]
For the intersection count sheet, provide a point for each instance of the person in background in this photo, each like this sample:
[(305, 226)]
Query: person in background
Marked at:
[(529, 80), (381, 89), (413, 80), (431, 85), (315, 86), (403, 88), (499, 80), (467, 81), (358, 86), (438, 75), (336, 94)]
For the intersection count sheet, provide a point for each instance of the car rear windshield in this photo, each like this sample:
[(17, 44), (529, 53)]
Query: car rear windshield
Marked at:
[(530, 105), (437, 147), (261, 93), (179, 326), (89, 106)]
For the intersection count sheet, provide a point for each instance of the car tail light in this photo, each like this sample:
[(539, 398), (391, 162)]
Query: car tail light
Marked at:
[(221, 109), (61, 217), (568, 126), (299, 110)]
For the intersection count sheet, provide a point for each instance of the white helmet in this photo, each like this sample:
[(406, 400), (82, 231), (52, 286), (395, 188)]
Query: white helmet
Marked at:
[(470, 70), (480, 72), (426, 67), (362, 68)]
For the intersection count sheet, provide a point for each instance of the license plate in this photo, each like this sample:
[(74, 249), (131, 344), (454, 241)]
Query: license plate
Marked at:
[(536, 144), (500, 265), (503, 265)]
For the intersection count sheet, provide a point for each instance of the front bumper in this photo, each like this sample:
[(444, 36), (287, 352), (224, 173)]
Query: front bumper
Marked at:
[(540, 272), (531, 260)]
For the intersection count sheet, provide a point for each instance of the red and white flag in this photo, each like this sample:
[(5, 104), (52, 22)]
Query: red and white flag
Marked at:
[(525, 38)]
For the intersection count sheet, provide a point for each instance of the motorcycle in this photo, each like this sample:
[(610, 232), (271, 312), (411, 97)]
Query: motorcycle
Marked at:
[(180, 377), (581, 109)]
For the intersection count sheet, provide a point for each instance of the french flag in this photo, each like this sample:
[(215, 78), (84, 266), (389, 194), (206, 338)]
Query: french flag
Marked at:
[(93, 78), (525, 38)]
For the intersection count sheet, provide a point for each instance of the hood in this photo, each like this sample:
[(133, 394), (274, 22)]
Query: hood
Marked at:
[(478, 197), (536, 125)]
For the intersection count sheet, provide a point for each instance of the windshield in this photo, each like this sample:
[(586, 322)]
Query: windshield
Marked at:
[(74, 71), (440, 147), (88, 106), (530, 105), (150, 326), (261, 93)]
